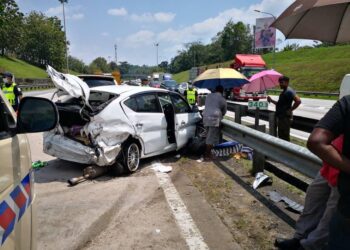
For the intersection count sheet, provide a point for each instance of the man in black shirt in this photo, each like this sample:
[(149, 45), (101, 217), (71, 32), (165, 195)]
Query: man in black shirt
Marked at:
[(333, 124), (284, 108)]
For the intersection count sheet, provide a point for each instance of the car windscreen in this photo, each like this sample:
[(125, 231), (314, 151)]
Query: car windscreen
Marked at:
[(170, 83), (98, 81)]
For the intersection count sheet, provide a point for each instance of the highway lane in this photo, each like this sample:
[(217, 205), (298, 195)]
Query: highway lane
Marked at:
[(310, 108)]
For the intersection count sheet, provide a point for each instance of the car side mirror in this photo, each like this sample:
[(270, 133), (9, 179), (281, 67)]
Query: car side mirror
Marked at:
[(36, 115), (195, 109)]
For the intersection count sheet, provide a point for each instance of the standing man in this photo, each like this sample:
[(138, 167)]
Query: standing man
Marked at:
[(333, 124), (284, 108), (11, 91), (214, 111), (191, 95)]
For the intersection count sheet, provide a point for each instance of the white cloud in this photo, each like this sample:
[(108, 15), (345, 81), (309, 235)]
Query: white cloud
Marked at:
[(139, 39), (161, 17), (104, 34), (118, 12), (77, 16), (71, 12), (164, 17)]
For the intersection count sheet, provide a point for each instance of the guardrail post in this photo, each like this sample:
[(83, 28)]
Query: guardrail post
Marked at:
[(238, 114), (258, 158), (272, 124)]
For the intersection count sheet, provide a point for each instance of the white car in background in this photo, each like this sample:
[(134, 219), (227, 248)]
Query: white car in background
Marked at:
[(110, 124)]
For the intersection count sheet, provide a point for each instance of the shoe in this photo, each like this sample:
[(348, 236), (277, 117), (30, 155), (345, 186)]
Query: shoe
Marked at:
[(287, 244)]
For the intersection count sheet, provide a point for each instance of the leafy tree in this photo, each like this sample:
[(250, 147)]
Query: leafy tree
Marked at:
[(77, 65), (10, 26), (44, 41), (100, 65), (164, 66), (124, 67), (112, 66), (236, 38)]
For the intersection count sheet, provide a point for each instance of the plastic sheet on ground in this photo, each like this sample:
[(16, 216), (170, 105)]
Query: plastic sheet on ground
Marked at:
[(161, 168), (294, 206), (261, 178)]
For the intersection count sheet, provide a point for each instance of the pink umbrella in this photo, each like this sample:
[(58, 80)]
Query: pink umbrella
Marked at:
[(262, 81)]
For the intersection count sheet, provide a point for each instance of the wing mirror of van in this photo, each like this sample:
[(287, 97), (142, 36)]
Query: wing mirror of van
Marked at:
[(36, 115)]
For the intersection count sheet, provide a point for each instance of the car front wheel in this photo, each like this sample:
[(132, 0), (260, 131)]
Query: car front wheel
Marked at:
[(132, 155)]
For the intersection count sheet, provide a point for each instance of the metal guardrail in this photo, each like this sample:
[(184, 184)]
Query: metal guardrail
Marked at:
[(36, 86), (289, 154), (306, 93), (300, 123)]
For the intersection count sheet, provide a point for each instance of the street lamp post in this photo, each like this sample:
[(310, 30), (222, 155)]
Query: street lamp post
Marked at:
[(116, 54), (65, 32), (274, 44), (157, 45)]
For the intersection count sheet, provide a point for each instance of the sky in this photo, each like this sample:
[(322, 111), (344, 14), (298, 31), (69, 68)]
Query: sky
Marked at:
[(94, 27)]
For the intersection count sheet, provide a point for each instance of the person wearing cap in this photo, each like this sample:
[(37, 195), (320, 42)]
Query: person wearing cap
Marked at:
[(11, 91), (191, 95), (284, 108)]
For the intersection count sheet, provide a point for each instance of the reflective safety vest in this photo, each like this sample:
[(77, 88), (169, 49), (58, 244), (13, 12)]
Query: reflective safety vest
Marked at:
[(191, 96), (9, 93)]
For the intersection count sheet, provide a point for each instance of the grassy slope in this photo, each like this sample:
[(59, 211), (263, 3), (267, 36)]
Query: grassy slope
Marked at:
[(21, 69), (319, 69)]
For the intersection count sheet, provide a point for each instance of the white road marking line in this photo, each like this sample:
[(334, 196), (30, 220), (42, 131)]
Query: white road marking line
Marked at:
[(184, 220)]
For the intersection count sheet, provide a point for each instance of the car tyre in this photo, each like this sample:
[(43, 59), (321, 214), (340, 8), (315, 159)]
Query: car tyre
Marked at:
[(131, 156)]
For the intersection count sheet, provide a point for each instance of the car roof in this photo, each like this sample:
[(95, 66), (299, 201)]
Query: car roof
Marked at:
[(126, 89), (95, 76)]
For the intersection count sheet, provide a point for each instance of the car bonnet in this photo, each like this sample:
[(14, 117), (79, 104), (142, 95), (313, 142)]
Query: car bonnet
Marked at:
[(68, 84)]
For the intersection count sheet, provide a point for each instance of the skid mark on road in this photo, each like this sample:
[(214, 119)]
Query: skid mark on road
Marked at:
[(184, 220)]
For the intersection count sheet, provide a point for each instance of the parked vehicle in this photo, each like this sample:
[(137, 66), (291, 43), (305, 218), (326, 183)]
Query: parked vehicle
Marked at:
[(98, 80), (110, 124), (169, 85), (248, 65), (17, 218), (154, 84)]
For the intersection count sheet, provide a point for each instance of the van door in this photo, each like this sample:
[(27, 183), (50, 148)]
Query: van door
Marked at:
[(16, 187)]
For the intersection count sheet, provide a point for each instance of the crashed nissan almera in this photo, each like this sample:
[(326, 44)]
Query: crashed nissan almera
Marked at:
[(117, 124)]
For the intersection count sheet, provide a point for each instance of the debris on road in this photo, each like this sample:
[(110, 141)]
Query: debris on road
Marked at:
[(39, 164), (90, 173), (294, 206), (161, 168), (178, 156), (261, 178)]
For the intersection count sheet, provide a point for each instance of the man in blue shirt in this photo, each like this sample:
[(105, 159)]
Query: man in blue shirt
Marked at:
[(284, 108)]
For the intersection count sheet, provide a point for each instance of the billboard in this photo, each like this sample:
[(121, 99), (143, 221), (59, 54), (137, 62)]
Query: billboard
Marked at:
[(265, 36)]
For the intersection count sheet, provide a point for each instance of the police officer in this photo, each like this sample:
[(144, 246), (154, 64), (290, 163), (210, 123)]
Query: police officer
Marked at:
[(191, 95), (11, 91)]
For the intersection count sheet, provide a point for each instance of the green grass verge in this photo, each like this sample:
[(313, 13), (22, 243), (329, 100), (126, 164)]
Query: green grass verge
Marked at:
[(316, 69), (182, 76), (21, 69)]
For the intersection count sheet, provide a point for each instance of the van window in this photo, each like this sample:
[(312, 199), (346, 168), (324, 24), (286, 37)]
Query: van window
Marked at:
[(5, 120)]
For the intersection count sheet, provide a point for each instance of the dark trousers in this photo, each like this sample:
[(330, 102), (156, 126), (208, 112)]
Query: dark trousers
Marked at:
[(283, 127), (339, 232)]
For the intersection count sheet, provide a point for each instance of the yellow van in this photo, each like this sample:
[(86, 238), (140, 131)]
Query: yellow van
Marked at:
[(17, 221)]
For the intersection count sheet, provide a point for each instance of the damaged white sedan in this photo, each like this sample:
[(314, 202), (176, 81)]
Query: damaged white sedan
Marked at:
[(110, 124)]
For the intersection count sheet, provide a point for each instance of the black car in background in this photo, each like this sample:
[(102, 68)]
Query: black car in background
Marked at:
[(170, 85)]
